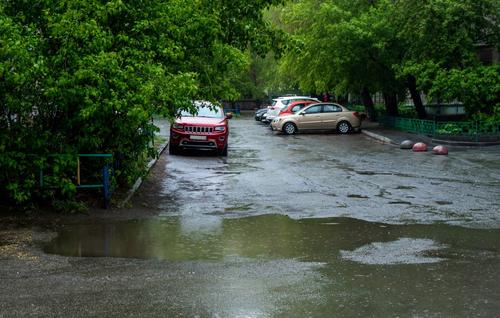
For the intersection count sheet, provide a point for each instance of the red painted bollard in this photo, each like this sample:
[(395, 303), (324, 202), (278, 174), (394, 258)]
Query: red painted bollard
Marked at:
[(440, 150), (419, 147)]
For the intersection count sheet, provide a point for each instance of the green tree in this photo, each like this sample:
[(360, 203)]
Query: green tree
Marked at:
[(82, 76), (392, 47), (439, 36), (344, 46), (477, 87)]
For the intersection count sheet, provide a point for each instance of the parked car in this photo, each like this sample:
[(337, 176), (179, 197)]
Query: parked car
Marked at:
[(294, 107), (263, 118), (282, 103), (259, 113), (321, 116), (206, 129)]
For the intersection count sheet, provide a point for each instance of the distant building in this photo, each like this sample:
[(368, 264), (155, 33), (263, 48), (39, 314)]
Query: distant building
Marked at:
[(487, 54)]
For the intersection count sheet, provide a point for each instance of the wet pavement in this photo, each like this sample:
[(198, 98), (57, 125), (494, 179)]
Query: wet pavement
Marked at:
[(313, 225), (325, 175)]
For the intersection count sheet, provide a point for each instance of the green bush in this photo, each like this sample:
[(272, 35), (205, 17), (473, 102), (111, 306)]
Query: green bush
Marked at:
[(86, 76), (477, 87), (449, 129)]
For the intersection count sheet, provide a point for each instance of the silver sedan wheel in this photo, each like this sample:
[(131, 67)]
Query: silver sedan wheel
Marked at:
[(344, 127), (289, 128)]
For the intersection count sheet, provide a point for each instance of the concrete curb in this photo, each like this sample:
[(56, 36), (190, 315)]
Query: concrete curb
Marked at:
[(139, 180), (378, 137), (432, 141)]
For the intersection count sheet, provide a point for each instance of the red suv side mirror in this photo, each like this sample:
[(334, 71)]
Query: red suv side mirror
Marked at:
[(229, 115)]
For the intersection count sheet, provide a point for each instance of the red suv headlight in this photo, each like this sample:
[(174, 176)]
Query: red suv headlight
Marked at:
[(220, 128), (178, 126)]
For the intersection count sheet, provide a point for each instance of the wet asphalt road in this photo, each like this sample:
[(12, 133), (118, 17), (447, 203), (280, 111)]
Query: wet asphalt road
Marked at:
[(316, 225), (325, 175)]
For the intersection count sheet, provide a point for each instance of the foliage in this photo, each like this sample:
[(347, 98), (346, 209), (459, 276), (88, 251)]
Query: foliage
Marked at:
[(86, 76), (404, 111), (383, 45), (340, 45), (441, 35), (247, 81), (477, 87), (260, 78), (69, 206), (449, 129)]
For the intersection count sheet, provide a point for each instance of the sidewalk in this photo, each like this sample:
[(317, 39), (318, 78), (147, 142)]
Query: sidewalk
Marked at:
[(395, 137), (164, 132), (390, 136)]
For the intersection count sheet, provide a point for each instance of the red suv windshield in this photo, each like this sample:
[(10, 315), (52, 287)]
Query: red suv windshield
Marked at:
[(204, 111)]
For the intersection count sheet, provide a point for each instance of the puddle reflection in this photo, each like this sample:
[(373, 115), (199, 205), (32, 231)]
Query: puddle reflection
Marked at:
[(212, 237)]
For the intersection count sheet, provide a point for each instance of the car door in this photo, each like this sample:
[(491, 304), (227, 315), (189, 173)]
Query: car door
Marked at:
[(310, 118), (331, 115)]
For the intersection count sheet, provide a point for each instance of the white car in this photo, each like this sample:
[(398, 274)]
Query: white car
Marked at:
[(280, 103)]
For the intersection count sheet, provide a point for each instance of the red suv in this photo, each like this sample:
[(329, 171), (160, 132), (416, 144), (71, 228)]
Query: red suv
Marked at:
[(206, 130), (294, 107)]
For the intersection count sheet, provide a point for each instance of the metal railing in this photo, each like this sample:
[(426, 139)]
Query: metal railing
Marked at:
[(471, 130), (106, 173)]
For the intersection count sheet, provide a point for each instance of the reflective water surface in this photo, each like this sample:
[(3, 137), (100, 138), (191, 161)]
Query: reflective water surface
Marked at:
[(325, 267), (209, 237), (311, 225)]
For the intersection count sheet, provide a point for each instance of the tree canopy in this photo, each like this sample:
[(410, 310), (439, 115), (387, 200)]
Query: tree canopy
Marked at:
[(79, 76), (393, 47)]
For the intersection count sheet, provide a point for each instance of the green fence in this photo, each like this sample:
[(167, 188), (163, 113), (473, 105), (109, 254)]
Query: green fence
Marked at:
[(466, 130)]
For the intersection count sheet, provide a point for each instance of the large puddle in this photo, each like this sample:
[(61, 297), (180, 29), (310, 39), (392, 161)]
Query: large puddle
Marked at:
[(274, 237)]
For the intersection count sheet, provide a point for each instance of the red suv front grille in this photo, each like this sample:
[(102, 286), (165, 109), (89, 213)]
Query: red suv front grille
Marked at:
[(198, 129)]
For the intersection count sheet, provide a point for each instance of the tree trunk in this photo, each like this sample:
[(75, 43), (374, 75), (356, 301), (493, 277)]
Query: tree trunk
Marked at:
[(391, 103), (415, 96), (368, 102)]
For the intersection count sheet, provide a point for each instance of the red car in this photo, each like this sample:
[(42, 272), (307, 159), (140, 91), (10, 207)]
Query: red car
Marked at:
[(294, 107), (208, 129)]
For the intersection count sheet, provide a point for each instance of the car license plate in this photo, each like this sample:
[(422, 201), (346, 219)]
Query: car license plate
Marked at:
[(198, 137)]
